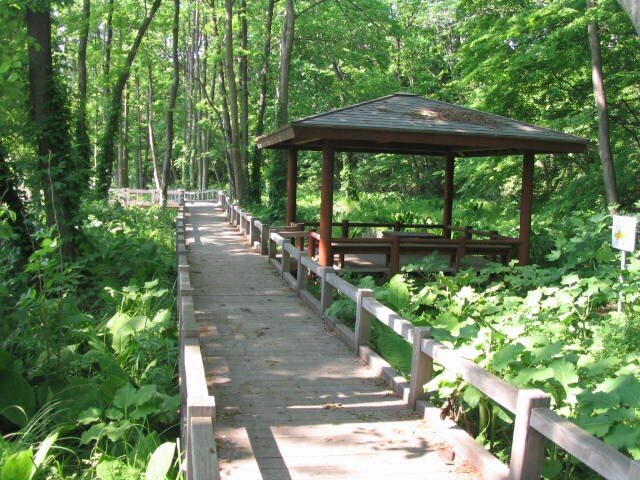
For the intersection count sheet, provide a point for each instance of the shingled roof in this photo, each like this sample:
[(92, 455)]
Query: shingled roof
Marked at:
[(408, 123)]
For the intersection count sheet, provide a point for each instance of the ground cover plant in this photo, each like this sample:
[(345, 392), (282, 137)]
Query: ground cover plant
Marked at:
[(89, 349), (553, 326)]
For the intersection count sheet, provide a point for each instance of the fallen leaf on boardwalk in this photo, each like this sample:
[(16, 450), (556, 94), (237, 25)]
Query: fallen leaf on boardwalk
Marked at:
[(331, 406)]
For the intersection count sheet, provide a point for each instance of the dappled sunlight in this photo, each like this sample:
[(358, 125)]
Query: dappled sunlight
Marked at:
[(292, 401)]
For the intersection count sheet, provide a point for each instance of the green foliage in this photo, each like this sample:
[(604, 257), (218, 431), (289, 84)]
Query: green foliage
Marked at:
[(97, 344)]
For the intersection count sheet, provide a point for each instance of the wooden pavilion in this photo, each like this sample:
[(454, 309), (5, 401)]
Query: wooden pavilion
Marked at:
[(405, 123)]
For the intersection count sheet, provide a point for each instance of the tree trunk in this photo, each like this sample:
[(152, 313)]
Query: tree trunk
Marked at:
[(255, 180), (604, 138), (632, 7), (59, 177), (240, 178), (140, 180), (105, 162), (83, 143), (278, 170), (123, 156), (168, 157), (150, 133), (244, 89)]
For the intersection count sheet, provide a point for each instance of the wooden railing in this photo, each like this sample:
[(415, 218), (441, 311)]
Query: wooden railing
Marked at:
[(198, 410), (137, 196), (534, 421)]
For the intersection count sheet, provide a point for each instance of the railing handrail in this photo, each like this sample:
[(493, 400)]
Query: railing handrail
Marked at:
[(198, 407)]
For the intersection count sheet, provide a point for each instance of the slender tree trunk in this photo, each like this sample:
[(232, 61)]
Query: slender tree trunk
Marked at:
[(255, 180), (150, 133), (105, 162), (83, 143), (123, 156), (604, 137), (168, 158), (240, 177), (139, 167), (108, 42), (244, 87), (278, 170)]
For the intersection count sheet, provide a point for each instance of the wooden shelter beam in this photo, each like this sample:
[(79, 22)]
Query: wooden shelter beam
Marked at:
[(292, 185), (526, 207), (326, 205), (447, 213)]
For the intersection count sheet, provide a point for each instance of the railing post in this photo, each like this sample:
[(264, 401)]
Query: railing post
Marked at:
[(264, 239), (363, 319), (286, 258), (527, 449), (421, 367), (326, 289), (302, 274), (251, 230)]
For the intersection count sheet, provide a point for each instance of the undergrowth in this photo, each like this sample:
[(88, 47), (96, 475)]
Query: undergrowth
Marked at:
[(89, 349)]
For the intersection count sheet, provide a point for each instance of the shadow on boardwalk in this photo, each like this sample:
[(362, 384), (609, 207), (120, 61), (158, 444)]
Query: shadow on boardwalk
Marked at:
[(292, 401)]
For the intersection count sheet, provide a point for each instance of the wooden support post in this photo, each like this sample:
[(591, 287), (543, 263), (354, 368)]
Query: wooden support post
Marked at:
[(311, 245), (264, 239), (526, 207), (394, 264), (363, 320), (421, 367), (326, 289), (326, 205), (300, 240), (447, 212), (292, 186), (527, 449)]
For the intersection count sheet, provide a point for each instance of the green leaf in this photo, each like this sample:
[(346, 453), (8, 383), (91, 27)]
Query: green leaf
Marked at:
[(565, 373), (627, 386), (110, 468), (90, 415), (17, 398), (160, 461), (623, 436), (125, 397), (472, 396), (43, 449), (597, 425), (506, 355), (398, 293), (528, 375), (19, 466), (93, 434)]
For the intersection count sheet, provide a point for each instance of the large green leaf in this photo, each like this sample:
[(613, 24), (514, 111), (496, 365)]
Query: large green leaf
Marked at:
[(506, 355), (19, 466), (17, 398), (160, 462), (398, 297)]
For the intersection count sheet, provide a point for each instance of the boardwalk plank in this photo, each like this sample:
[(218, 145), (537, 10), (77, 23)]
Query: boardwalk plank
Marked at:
[(293, 402)]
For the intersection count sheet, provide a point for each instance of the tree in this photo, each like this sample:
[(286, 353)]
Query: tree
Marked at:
[(59, 173), (604, 131), (168, 158), (83, 144), (114, 110), (278, 168)]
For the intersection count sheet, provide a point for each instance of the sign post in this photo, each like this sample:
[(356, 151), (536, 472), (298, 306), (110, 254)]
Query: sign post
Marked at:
[(623, 238)]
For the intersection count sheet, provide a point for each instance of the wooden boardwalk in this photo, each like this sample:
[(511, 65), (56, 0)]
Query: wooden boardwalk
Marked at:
[(292, 401)]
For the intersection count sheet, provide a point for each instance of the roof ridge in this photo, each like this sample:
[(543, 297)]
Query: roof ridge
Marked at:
[(349, 107)]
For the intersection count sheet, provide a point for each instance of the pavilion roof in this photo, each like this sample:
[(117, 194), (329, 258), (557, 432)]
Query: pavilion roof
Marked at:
[(412, 124)]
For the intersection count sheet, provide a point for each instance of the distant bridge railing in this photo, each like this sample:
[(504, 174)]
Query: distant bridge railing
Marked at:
[(138, 196), (534, 421), (198, 410)]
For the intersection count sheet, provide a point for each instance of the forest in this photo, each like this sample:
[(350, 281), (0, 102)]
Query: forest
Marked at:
[(96, 94)]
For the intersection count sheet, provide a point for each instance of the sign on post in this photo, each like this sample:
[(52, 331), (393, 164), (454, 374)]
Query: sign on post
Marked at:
[(623, 237), (623, 234)]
